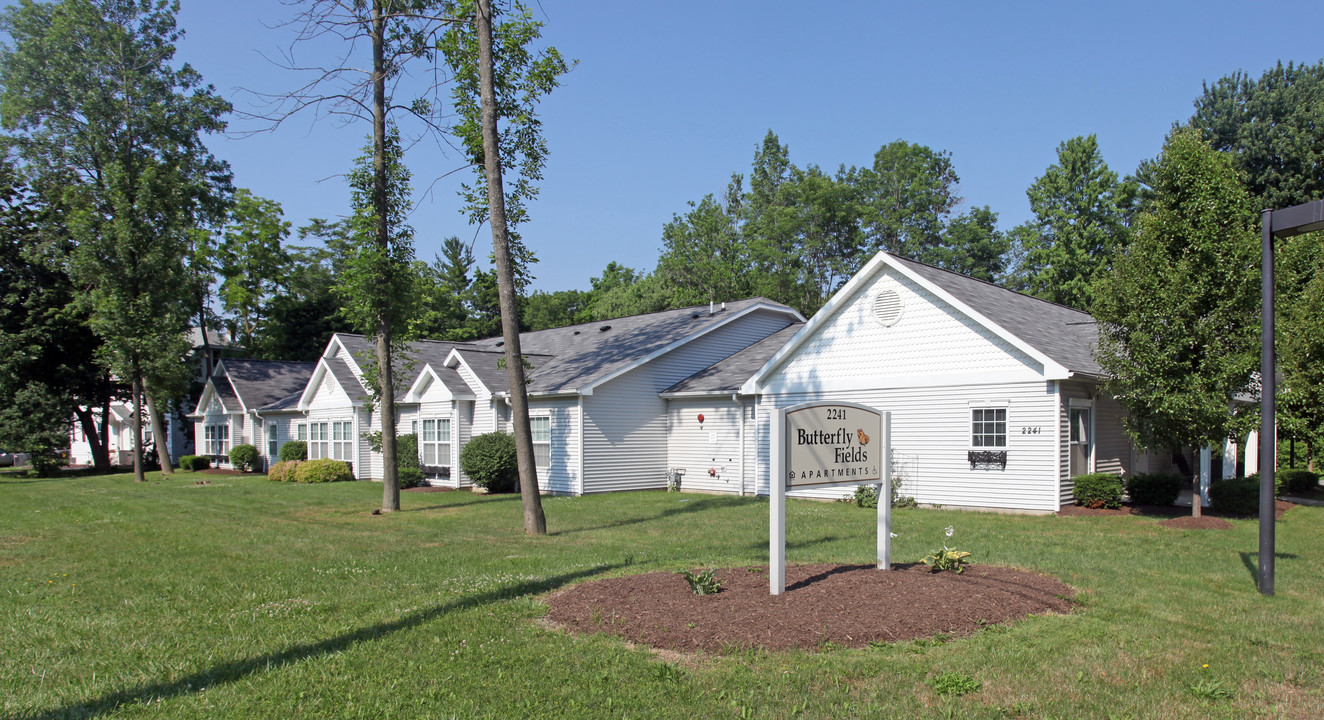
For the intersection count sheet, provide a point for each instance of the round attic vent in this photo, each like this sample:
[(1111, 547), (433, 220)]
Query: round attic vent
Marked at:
[(887, 307)]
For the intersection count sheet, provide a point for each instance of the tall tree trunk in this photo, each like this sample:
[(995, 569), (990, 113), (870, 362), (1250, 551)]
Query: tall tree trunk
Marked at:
[(385, 373), (535, 523), (100, 454), (159, 435), (139, 475), (105, 434)]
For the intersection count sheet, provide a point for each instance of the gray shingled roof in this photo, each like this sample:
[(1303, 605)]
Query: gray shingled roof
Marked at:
[(488, 367), (1066, 335), (729, 374), (258, 383), (419, 354), (582, 354)]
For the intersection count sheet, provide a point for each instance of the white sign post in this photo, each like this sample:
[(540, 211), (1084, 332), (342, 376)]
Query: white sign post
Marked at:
[(827, 443)]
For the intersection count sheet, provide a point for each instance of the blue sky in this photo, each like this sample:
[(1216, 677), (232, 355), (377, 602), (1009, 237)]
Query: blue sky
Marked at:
[(670, 98)]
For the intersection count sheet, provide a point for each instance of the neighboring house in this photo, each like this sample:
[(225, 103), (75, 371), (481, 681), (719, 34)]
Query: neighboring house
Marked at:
[(251, 402), (995, 396), (119, 438)]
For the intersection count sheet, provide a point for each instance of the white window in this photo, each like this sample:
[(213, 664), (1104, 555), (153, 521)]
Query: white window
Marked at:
[(541, 428), (301, 432), (273, 441), (1082, 441), (217, 438), (988, 427), (435, 442), (342, 440), (318, 436)]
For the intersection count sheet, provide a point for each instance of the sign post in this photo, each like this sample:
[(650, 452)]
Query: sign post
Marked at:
[(827, 443)]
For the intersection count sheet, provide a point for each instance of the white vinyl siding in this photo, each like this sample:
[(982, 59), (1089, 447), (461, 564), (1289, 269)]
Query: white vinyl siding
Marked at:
[(696, 448), (625, 424), (560, 417)]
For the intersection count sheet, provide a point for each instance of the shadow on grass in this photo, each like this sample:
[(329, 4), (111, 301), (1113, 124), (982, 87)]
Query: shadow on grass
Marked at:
[(684, 506), (790, 545), (1251, 561), (234, 671)]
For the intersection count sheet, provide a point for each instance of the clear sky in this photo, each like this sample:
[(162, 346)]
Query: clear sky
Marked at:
[(669, 98)]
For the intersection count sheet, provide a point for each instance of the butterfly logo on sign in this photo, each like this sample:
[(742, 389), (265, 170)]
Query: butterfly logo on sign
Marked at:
[(864, 439)]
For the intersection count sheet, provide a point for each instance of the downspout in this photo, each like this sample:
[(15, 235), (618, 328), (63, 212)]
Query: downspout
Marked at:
[(741, 404), (579, 438)]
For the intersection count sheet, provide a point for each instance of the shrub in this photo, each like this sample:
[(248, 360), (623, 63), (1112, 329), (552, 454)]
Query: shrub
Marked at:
[(489, 460), (409, 477), (47, 463), (322, 470), (193, 463), (1100, 490), (294, 450), (1161, 490), (1295, 481), (1235, 496), (704, 583), (866, 496), (406, 461), (284, 471), (243, 457)]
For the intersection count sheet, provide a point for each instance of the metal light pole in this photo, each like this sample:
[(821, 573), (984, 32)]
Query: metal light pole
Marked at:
[(1295, 220)]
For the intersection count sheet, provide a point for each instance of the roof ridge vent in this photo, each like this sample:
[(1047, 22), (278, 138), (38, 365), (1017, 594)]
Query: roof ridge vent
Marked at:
[(604, 328)]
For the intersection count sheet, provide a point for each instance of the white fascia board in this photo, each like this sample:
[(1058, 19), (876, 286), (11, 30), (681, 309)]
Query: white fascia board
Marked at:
[(588, 389), (207, 392), (314, 382), (542, 395), (224, 371), (698, 394), (420, 384), (902, 382), (453, 360)]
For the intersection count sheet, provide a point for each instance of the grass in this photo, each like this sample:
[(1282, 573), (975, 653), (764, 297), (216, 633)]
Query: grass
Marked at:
[(250, 599)]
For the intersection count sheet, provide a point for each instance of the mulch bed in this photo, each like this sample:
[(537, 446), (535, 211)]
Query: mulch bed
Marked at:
[(1173, 513), (427, 489), (844, 605)]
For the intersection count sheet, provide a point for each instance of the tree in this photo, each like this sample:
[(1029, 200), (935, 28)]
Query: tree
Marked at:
[(1080, 210), (906, 196), (544, 310), (307, 310), (703, 257), (975, 246), (443, 286), (499, 79), (252, 263), (1177, 312), (113, 130)]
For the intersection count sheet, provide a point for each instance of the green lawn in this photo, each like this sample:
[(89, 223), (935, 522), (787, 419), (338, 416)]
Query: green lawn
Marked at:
[(251, 599)]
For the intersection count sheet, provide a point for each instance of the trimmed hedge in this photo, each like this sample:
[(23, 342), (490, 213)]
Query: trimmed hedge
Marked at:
[(1100, 490), (1295, 481), (283, 471), (294, 450), (489, 460), (1160, 490), (322, 470), (406, 461), (193, 463), (243, 457), (1235, 496)]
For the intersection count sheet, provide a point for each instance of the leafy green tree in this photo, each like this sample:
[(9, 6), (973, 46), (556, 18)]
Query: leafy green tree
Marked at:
[(824, 220), (307, 311), (499, 80), (975, 246), (620, 291), (704, 258), (114, 131), (252, 263), (544, 310), (1178, 310), (1080, 209), (443, 287), (906, 196)]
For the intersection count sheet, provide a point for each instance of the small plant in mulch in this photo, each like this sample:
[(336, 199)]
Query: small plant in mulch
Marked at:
[(704, 583), (955, 684), (947, 558)]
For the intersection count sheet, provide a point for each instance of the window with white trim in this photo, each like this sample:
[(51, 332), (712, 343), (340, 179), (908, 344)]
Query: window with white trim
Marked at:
[(541, 429), (273, 440), (301, 432), (1081, 440), (435, 442), (216, 438), (319, 433), (342, 440), (988, 427)]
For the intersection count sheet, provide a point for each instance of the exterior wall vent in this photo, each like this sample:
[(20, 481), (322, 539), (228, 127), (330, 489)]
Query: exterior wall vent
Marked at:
[(604, 328), (887, 307)]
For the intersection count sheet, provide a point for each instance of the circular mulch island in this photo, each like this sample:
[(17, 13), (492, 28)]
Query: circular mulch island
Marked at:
[(845, 605), (1204, 522)]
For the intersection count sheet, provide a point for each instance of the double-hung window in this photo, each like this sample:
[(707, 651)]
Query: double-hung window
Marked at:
[(435, 442), (273, 441), (342, 440), (541, 428), (988, 427), (217, 438), (318, 440)]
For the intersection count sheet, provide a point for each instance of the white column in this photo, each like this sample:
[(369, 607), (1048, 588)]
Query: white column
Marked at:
[(1253, 453), (1229, 459), (777, 505), (885, 498), (1206, 474)]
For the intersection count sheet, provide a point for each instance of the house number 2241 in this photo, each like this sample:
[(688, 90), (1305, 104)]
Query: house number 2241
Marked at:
[(1029, 430)]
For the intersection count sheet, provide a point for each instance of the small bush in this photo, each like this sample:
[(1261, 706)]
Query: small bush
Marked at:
[(1100, 490), (322, 470), (243, 457), (406, 461), (1235, 496), (294, 450), (1160, 490), (284, 471), (866, 496), (409, 477), (704, 583), (48, 463), (193, 463), (1295, 481), (489, 460)]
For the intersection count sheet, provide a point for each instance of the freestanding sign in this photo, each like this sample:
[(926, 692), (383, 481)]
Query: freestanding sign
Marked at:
[(827, 443)]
